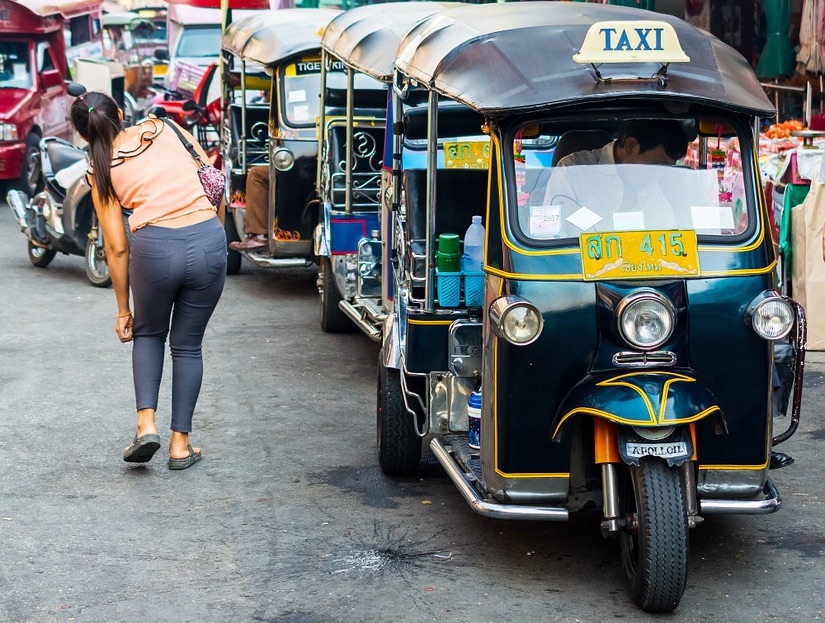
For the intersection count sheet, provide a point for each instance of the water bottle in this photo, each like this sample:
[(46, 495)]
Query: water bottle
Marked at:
[(474, 414), (473, 258)]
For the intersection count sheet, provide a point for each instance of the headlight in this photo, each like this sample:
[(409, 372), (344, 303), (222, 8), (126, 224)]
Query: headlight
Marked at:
[(8, 132), (772, 317), (516, 320), (283, 159), (646, 319)]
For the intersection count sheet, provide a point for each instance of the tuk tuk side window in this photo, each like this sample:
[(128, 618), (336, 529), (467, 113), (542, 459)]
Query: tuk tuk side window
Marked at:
[(15, 65), (592, 182)]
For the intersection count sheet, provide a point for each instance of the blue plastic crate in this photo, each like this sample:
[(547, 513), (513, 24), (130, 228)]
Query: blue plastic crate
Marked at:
[(473, 289), (449, 289)]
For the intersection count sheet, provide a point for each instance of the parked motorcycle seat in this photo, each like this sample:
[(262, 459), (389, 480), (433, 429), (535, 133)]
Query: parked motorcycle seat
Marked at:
[(60, 155)]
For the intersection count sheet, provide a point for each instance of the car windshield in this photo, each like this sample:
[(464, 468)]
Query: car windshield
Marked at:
[(604, 180), (15, 66), (201, 42)]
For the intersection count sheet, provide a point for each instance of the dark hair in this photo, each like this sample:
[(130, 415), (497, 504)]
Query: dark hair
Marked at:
[(96, 117), (652, 132)]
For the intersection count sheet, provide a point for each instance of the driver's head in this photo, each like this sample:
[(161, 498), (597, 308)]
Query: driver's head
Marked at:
[(650, 141)]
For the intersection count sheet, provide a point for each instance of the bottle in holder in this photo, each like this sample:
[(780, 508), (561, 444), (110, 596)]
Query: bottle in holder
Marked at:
[(473, 258), (448, 270), (474, 414)]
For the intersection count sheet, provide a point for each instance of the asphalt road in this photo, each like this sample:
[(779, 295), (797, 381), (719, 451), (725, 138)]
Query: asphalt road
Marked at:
[(288, 518)]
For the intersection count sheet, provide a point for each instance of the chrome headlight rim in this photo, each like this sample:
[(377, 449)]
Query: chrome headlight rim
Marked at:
[(654, 433), (757, 309), (283, 159), (638, 296), (499, 310)]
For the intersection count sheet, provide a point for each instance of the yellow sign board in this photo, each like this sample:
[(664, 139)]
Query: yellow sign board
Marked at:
[(644, 41), (467, 155), (639, 255)]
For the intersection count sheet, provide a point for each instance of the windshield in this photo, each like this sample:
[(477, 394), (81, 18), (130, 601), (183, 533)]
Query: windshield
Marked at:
[(201, 42), (15, 67), (629, 176)]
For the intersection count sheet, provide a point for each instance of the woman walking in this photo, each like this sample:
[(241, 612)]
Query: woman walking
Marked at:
[(175, 265)]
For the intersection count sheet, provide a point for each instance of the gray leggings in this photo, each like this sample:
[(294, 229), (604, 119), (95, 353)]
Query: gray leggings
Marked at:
[(177, 274)]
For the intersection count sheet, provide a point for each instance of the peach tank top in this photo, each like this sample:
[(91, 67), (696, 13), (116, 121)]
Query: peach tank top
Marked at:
[(155, 176)]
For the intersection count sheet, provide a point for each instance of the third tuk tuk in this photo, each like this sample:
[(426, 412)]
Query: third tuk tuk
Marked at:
[(349, 238), (620, 356), (271, 93)]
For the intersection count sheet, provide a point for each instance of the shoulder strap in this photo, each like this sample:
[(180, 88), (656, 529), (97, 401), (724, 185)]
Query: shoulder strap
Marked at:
[(183, 140)]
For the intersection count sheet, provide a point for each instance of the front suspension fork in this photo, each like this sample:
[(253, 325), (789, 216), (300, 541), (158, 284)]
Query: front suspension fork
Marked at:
[(606, 442)]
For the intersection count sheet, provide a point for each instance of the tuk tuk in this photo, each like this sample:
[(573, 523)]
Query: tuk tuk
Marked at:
[(277, 54), (124, 34), (620, 353), (38, 41), (348, 238)]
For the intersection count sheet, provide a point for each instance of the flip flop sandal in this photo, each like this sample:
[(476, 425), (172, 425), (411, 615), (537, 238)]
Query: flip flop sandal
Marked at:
[(142, 449), (187, 461)]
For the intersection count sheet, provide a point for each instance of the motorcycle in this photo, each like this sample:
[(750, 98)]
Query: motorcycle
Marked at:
[(61, 218)]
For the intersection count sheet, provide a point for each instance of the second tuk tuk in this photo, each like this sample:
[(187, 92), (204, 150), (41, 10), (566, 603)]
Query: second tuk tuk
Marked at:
[(620, 354), (277, 54), (348, 240)]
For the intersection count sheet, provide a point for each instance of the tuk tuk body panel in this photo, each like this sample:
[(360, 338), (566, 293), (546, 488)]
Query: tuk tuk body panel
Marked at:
[(346, 231)]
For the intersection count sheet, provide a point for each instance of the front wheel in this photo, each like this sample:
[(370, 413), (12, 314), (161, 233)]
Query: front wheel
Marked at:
[(31, 178), (40, 256), (399, 447), (655, 542), (97, 268), (333, 320)]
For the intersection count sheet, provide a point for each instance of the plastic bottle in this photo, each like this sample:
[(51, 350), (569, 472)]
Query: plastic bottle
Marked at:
[(473, 258), (474, 414)]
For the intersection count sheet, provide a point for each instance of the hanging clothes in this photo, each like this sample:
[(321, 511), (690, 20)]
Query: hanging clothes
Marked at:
[(697, 12), (777, 59), (809, 57)]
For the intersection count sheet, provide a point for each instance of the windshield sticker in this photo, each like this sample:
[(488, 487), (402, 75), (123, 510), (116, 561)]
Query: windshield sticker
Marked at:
[(297, 96), (644, 41), (545, 221), (21, 71), (712, 220), (467, 155), (584, 218), (300, 113), (623, 221)]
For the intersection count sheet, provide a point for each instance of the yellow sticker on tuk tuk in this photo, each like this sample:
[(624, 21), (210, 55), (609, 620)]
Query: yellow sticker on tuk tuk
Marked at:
[(467, 155), (639, 254)]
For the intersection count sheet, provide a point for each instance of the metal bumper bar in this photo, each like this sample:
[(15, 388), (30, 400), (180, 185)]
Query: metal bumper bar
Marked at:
[(493, 510), (771, 503)]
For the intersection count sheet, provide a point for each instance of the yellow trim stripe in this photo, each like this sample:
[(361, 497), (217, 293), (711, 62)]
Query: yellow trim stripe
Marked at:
[(429, 322), (735, 467)]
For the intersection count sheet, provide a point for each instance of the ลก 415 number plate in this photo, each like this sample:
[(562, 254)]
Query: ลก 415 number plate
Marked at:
[(639, 254)]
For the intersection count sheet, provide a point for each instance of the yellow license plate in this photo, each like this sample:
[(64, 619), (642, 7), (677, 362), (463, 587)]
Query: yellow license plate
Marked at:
[(467, 155), (639, 255)]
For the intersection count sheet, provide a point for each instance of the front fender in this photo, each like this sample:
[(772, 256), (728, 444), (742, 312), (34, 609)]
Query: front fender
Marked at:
[(643, 398)]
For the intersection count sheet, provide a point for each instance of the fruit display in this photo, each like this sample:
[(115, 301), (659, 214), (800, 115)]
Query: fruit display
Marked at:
[(784, 129)]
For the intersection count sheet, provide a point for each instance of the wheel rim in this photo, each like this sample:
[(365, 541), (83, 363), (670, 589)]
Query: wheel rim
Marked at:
[(37, 252)]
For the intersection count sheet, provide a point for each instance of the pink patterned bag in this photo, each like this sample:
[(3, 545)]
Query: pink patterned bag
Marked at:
[(212, 180)]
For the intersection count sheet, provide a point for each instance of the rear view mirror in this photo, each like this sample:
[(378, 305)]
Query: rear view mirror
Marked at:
[(189, 105), (161, 54), (76, 89)]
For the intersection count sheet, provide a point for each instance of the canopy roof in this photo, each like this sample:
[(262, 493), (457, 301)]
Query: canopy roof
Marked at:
[(127, 19), (64, 7), (519, 57), (367, 37), (273, 36)]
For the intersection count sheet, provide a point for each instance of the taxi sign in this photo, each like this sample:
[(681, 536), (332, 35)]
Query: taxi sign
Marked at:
[(645, 41), (467, 155), (639, 254)]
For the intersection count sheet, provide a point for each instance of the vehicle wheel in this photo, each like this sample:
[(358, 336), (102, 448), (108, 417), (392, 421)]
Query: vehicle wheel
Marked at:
[(97, 268), (399, 448), (31, 178), (233, 258), (333, 320), (39, 256), (655, 542)]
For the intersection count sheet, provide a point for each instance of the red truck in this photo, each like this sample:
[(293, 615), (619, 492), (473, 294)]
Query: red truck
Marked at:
[(39, 39)]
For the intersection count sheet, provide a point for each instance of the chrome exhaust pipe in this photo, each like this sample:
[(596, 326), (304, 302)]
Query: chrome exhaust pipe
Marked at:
[(17, 202)]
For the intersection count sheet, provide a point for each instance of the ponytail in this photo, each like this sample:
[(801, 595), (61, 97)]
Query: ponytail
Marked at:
[(96, 118)]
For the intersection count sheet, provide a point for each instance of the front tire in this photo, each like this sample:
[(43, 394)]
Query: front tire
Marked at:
[(97, 267), (655, 545), (333, 320), (40, 256), (399, 447)]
